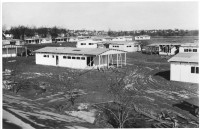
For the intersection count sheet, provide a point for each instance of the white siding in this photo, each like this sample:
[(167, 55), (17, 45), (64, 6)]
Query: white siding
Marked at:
[(132, 48), (87, 44), (182, 72), (181, 49)]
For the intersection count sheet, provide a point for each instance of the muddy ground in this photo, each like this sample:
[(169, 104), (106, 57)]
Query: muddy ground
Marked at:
[(148, 76)]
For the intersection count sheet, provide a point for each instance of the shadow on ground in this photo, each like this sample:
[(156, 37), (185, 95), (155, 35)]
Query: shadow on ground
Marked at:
[(185, 106), (164, 74)]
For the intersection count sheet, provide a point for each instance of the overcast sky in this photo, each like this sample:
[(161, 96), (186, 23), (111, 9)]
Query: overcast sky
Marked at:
[(103, 16)]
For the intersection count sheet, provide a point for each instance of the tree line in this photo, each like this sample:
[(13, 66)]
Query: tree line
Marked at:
[(20, 32), (167, 32)]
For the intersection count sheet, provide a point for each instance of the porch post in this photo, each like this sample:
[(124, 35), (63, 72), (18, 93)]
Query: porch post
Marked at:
[(16, 50), (99, 61), (125, 59), (108, 61), (7, 50), (90, 60), (117, 60)]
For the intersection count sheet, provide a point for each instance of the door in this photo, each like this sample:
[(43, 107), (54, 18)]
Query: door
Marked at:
[(57, 60), (90, 61)]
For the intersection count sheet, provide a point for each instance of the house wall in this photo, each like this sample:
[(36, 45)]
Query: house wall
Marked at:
[(46, 41), (125, 47), (86, 44), (173, 51), (182, 72), (181, 49), (142, 37), (71, 63)]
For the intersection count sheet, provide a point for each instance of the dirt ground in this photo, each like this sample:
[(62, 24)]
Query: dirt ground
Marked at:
[(149, 76)]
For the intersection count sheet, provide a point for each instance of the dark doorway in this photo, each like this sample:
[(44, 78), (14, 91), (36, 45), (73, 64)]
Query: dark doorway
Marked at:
[(90, 61), (57, 60)]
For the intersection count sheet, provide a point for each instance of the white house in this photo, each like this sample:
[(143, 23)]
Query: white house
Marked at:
[(184, 67), (87, 43), (167, 48), (189, 48), (60, 39), (73, 39), (45, 40), (80, 58), (32, 41), (123, 38), (12, 50), (142, 37), (124, 46)]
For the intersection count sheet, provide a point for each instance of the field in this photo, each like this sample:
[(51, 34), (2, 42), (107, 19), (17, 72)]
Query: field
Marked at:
[(148, 77)]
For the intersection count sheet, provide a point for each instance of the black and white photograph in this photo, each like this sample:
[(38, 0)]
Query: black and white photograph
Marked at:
[(109, 64)]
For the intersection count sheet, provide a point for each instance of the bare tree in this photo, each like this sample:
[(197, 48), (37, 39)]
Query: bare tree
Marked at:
[(69, 80), (123, 107)]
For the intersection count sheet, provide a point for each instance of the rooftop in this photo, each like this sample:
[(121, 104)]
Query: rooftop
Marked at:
[(185, 57), (121, 42), (73, 50)]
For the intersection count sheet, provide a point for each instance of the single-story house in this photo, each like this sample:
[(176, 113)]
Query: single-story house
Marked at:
[(168, 48), (60, 39), (12, 50), (123, 38), (189, 47), (45, 40), (184, 67), (32, 41), (124, 46), (87, 43), (142, 37), (151, 49), (80, 58)]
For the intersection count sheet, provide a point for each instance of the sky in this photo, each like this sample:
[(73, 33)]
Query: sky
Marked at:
[(103, 15)]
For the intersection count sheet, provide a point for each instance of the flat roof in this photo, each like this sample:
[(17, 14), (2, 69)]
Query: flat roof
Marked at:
[(73, 50), (165, 44), (121, 42), (190, 44), (185, 57)]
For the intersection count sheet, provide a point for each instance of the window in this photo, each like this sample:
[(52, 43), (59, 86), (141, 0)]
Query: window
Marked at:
[(82, 58), (73, 57), (194, 69), (197, 69), (64, 57), (185, 50), (194, 50), (90, 43), (68, 57), (78, 58), (52, 56), (128, 46), (190, 50), (45, 55), (83, 43)]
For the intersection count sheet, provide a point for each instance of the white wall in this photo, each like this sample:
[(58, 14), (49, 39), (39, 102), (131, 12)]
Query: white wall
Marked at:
[(182, 72), (142, 37), (124, 47), (86, 44), (46, 41), (181, 49)]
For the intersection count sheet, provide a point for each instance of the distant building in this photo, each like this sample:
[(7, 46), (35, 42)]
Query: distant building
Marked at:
[(45, 40), (60, 39), (184, 67), (80, 58), (189, 48), (167, 48), (32, 41), (87, 44), (124, 46), (12, 50), (7, 35), (142, 37), (123, 38)]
